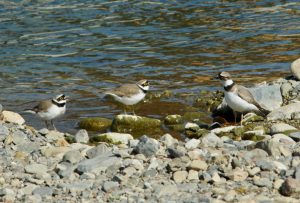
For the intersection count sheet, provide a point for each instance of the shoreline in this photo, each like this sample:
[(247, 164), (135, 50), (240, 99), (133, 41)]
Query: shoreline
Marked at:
[(254, 163)]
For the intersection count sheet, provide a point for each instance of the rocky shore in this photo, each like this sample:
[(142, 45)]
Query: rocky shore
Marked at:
[(257, 162)]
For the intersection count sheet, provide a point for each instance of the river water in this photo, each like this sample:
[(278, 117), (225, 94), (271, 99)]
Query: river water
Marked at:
[(82, 47)]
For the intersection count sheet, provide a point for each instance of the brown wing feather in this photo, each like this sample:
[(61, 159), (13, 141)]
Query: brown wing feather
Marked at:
[(42, 106), (127, 89), (245, 94)]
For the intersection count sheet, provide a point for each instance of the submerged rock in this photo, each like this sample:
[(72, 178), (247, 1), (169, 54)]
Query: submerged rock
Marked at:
[(94, 124), (136, 125)]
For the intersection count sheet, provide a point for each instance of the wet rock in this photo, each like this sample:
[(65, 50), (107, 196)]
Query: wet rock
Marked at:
[(114, 138), (192, 130), (73, 156), (295, 69), (36, 168), (211, 140), (12, 117), (180, 176), (168, 140), (82, 136), (147, 146), (95, 124), (98, 163), (224, 129), (284, 112), (136, 125), (173, 120), (290, 187), (192, 144), (281, 128)]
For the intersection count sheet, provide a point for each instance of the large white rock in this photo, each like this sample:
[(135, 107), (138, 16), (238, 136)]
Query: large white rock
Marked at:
[(295, 68), (12, 117)]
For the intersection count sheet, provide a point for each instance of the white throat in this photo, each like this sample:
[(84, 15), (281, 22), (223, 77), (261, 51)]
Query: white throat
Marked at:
[(227, 82)]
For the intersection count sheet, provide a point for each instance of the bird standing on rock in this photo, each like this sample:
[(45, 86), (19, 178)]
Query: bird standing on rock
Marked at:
[(239, 98), (50, 109), (130, 94)]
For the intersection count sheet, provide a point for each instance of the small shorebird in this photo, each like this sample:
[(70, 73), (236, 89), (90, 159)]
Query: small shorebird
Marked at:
[(130, 94), (50, 109), (239, 98)]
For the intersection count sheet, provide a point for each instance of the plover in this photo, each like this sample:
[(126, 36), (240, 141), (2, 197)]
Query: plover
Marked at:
[(239, 98), (130, 94), (50, 109)]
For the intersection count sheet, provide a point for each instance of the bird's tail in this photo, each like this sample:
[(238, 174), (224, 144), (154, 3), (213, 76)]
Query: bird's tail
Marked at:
[(29, 111), (264, 112)]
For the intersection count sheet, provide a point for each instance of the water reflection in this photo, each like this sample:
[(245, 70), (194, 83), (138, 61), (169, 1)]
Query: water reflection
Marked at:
[(82, 48)]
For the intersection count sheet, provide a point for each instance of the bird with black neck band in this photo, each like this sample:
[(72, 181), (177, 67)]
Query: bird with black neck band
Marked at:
[(239, 98), (50, 109), (130, 94)]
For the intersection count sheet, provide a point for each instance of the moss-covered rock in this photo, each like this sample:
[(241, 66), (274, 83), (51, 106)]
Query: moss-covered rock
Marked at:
[(173, 120), (95, 124), (136, 125), (113, 138), (194, 116), (192, 130)]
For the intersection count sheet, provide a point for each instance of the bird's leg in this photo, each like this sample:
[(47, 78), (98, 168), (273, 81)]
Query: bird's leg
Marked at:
[(53, 125), (234, 114), (47, 126), (242, 117), (133, 110)]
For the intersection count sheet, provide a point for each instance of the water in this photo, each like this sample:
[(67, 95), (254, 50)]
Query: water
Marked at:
[(82, 48)]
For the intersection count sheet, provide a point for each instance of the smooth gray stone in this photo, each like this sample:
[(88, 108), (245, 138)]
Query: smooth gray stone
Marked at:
[(73, 156), (98, 150), (43, 191), (109, 186), (99, 163), (3, 132), (29, 147), (295, 136)]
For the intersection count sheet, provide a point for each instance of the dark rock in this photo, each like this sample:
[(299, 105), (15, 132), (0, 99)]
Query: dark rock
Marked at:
[(146, 146), (291, 187)]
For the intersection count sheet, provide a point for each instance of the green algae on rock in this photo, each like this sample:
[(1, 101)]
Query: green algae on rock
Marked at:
[(173, 120), (113, 138), (136, 125), (94, 124)]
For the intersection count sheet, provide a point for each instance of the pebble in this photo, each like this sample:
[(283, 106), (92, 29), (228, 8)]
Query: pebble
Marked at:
[(281, 128), (198, 165), (180, 176), (73, 156), (36, 168), (109, 186), (192, 144), (82, 136)]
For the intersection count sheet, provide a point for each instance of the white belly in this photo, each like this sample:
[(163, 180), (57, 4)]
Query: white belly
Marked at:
[(52, 113), (238, 104), (130, 100)]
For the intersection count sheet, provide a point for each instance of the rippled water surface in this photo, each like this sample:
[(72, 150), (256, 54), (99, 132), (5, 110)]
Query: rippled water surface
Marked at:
[(82, 48)]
